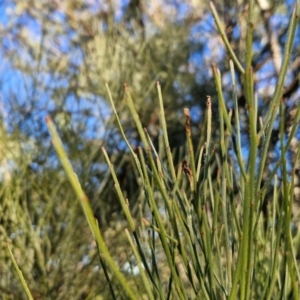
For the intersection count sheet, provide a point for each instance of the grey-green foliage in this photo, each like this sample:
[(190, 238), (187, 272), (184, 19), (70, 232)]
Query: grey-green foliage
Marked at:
[(203, 240), (73, 49), (212, 242)]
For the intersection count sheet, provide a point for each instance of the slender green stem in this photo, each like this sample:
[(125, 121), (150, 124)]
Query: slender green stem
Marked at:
[(178, 282), (295, 126), (272, 112), (222, 106), (141, 269), (249, 201), (124, 203), (136, 118), (237, 147), (192, 177), (20, 274), (123, 133), (226, 237), (224, 38), (87, 209), (165, 133)]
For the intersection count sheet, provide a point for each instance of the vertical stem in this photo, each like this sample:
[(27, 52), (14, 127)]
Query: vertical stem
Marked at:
[(165, 133), (272, 112), (20, 273), (190, 148), (249, 205)]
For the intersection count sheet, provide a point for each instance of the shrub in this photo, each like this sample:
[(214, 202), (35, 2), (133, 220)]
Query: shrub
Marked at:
[(207, 228)]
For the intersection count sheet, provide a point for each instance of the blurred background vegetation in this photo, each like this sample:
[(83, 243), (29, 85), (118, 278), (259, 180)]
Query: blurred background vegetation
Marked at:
[(56, 57)]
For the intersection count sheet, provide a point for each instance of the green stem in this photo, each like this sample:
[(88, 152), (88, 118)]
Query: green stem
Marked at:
[(87, 210), (272, 112), (165, 133), (20, 274), (225, 39)]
